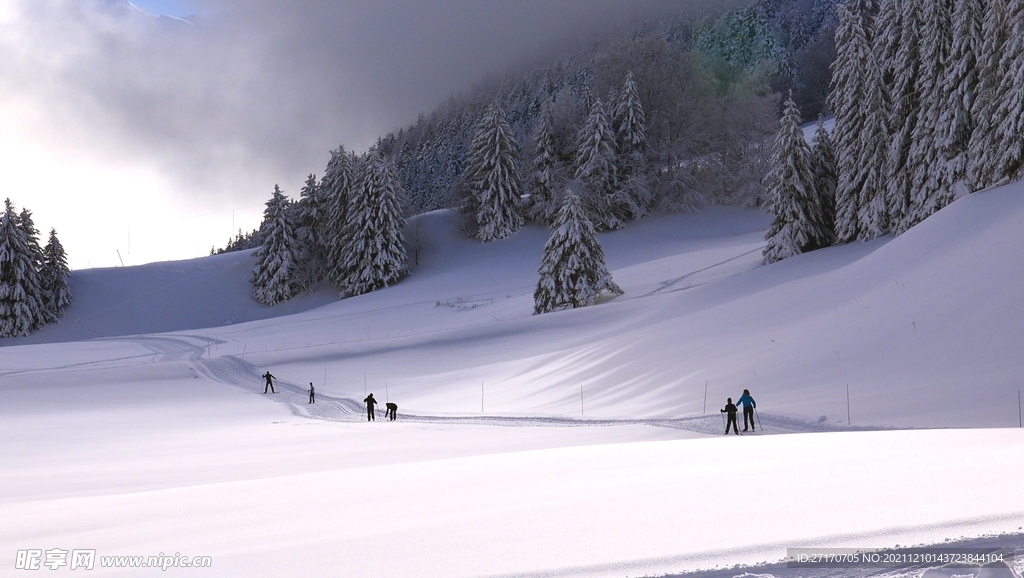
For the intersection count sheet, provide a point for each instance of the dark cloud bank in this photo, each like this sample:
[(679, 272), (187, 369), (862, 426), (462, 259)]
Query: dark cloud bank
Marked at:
[(257, 91)]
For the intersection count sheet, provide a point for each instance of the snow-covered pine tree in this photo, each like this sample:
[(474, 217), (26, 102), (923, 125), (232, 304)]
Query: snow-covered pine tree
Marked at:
[(273, 278), (985, 149), (1010, 110), (309, 219), (493, 177), (336, 193), (573, 271), (54, 279), (543, 207), (375, 255), (962, 78), (790, 194), (899, 60), (926, 160), (33, 284), (823, 165), (629, 121), (845, 99), (17, 313), (630, 125), (596, 166), (873, 212)]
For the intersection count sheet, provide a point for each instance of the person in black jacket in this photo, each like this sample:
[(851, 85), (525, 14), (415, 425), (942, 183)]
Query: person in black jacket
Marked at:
[(312, 393), (370, 402), (270, 384), (390, 409), (730, 409)]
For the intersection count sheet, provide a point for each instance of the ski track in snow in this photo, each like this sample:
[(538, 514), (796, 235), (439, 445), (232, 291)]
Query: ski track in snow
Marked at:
[(233, 370)]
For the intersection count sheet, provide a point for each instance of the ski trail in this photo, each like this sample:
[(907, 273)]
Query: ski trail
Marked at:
[(665, 285), (235, 371)]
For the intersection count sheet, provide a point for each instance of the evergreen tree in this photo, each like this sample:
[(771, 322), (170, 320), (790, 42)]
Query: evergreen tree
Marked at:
[(543, 207), (309, 219), (1009, 163), (629, 120), (375, 254), (873, 211), (54, 279), (630, 126), (273, 278), (493, 177), (17, 312), (596, 166), (572, 272), (33, 284), (823, 164), (846, 100), (791, 196), (900, 64), (962, 78), (926, 160), (336, 193), (984, 149)]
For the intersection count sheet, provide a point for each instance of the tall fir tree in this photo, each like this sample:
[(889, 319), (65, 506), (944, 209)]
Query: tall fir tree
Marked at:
[(984, 148), (493, 177), (926, 160), (54, 279), (543, 207), (629, 122), (791, 195), (336, 193), (309, 219), (873, 210), (1009, 164), (375, 254), (273, 278), (900, 61), (962, 78), (33, 284), (573, 271), (596, 166), (846, 99), (17, 271), (823, 165)]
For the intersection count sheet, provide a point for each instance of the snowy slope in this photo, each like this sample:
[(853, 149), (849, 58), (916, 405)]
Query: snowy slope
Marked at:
[(592, 455)]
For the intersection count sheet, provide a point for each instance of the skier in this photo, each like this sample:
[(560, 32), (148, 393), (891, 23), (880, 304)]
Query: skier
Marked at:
[(748, 404), (270, 384), (370, 402), (312, 393), (391, 408), (731, 410)]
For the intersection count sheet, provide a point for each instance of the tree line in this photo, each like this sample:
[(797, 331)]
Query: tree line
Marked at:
[(927, 102), (33, 279)]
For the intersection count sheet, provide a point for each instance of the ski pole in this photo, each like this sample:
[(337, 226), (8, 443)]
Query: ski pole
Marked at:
[(723, 422), (758, 418)]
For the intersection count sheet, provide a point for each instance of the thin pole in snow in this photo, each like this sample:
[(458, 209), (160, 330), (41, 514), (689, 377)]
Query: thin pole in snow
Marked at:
[(705, 410), (1020, 421), (243, 352), (847, 404)]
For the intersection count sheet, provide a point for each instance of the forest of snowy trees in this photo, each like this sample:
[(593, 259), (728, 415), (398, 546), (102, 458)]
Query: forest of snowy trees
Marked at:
[(33, 279), (927, 98), (624, 123)]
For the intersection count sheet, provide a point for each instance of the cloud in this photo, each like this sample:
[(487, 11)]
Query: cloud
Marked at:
[(257, 91)]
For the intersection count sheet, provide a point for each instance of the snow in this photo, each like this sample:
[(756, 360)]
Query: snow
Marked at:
[(137, 424)]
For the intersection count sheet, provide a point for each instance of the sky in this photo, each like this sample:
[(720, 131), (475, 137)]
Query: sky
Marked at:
[(143, 139)]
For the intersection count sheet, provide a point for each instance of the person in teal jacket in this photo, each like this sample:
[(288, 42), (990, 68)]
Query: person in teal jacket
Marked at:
[(748, 404)]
